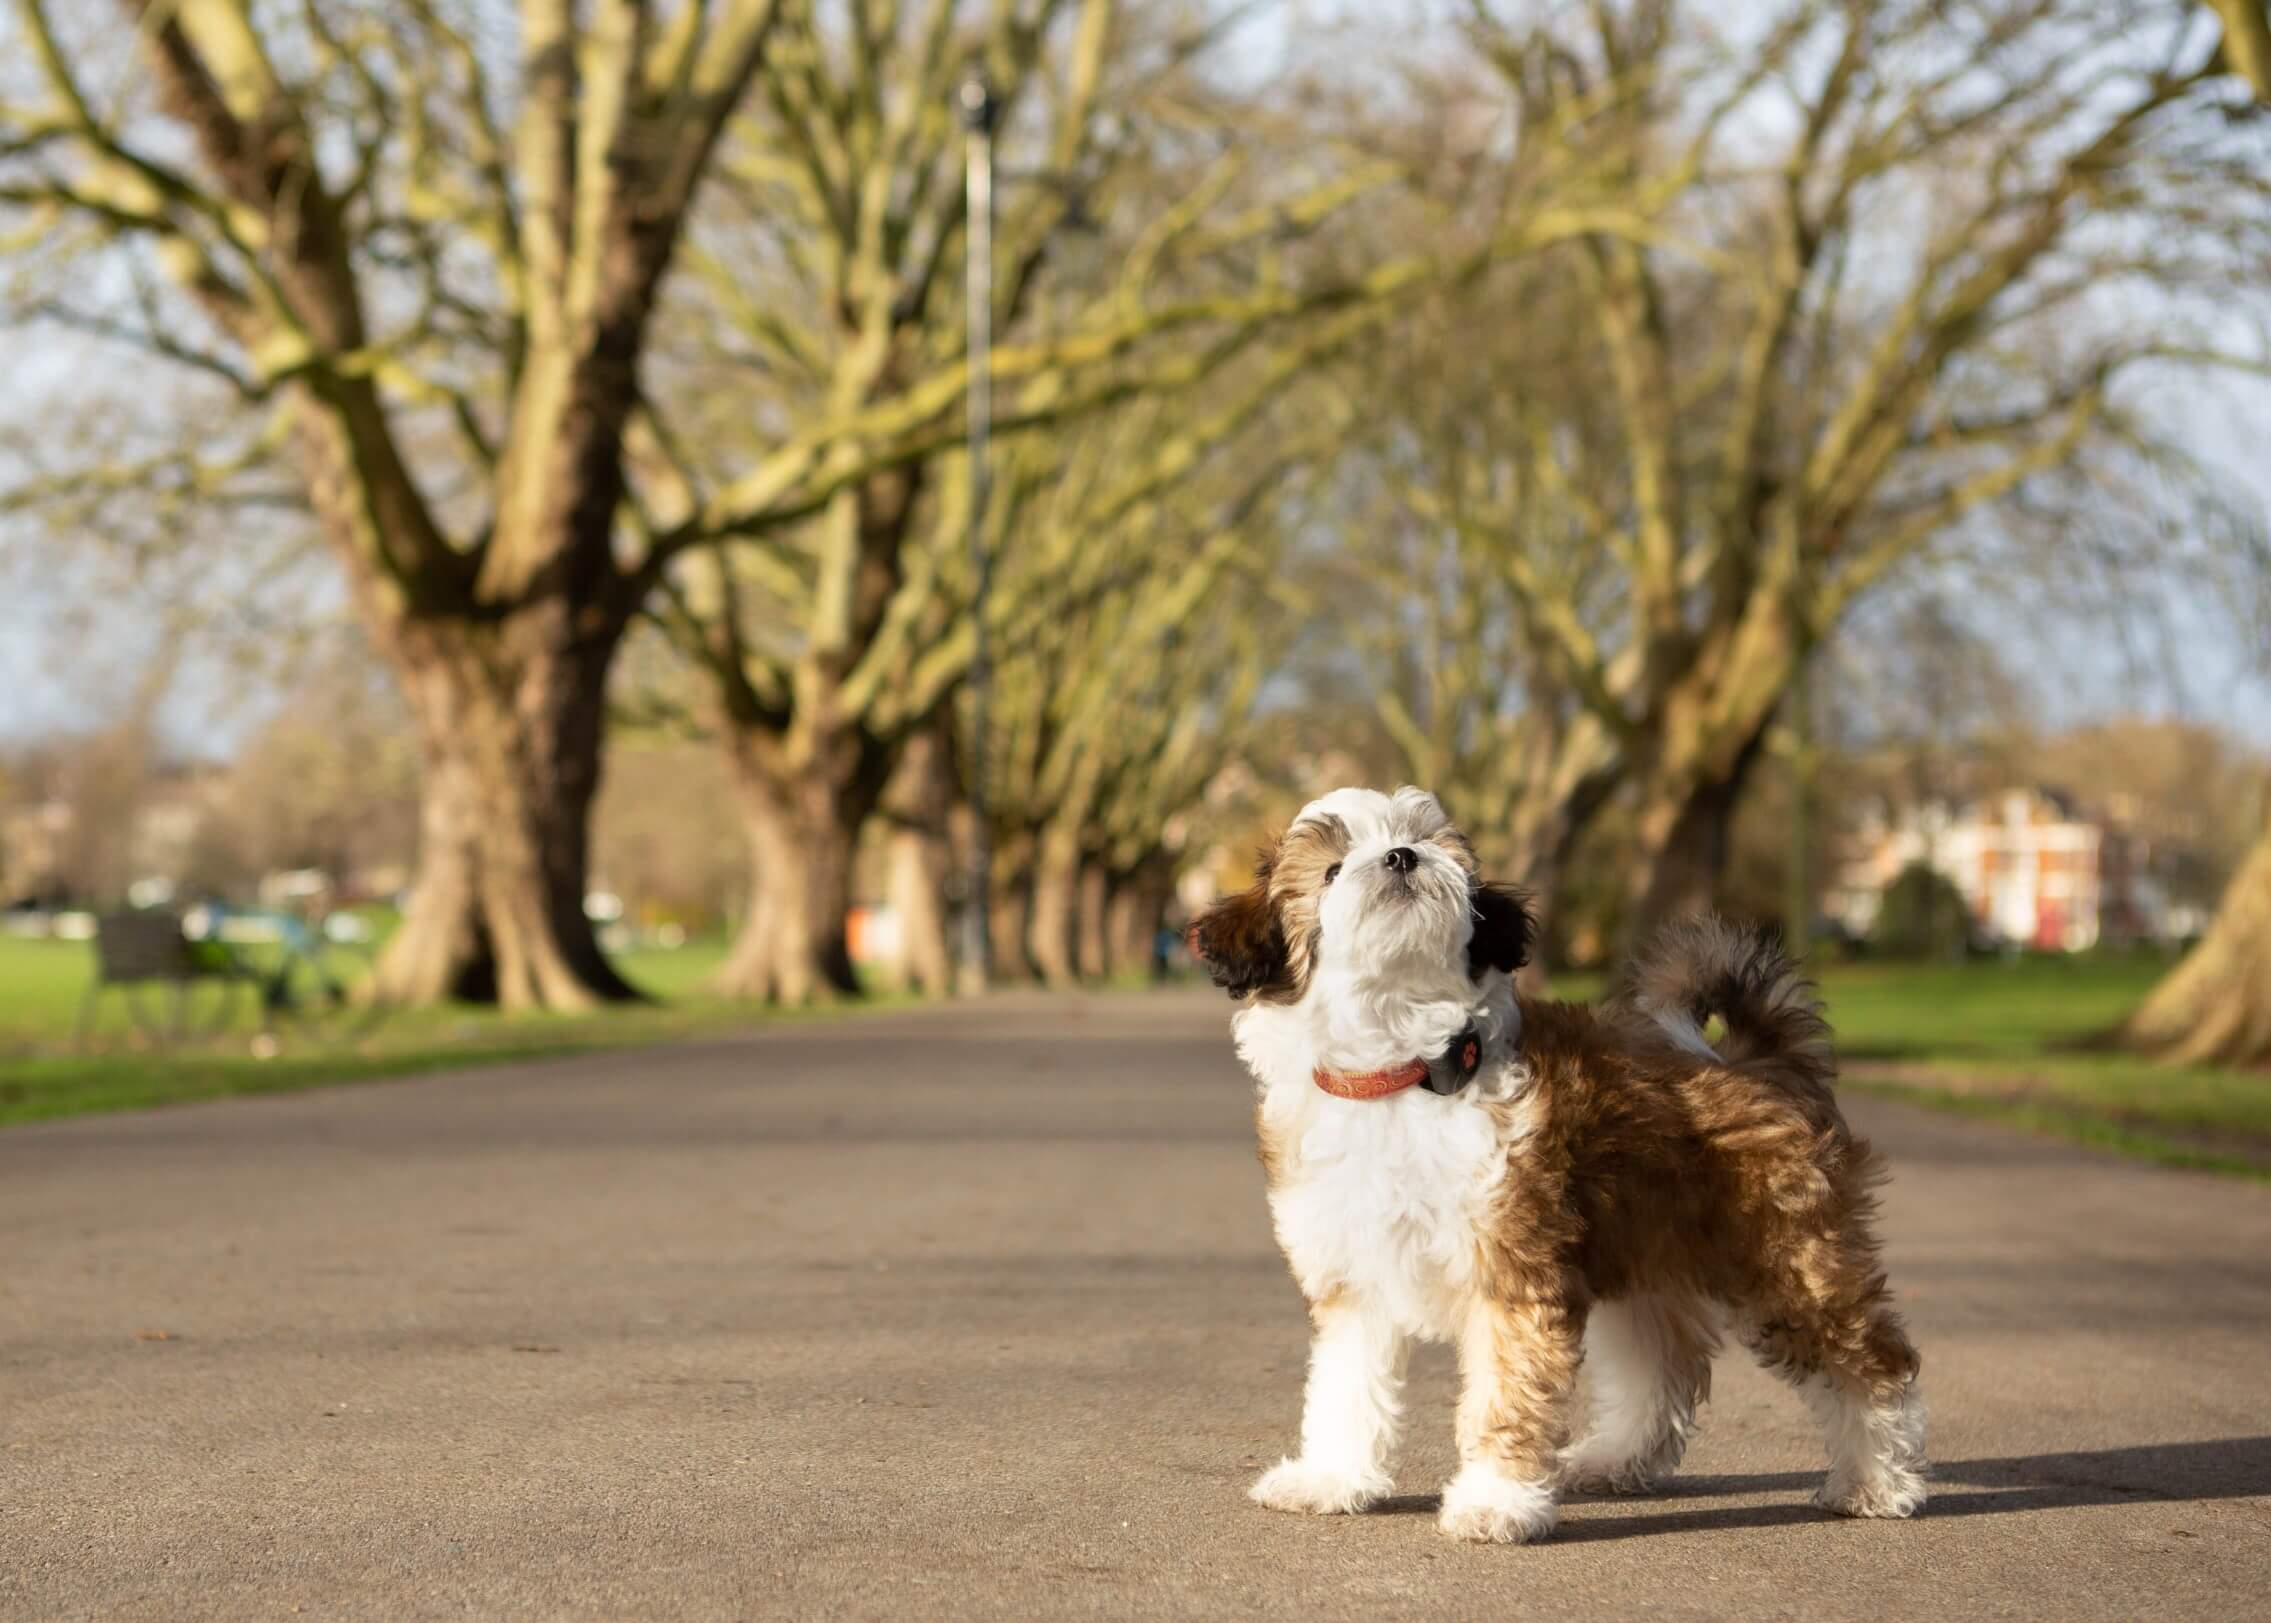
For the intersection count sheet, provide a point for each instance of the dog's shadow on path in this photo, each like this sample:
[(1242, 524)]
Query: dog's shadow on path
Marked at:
[(2153, 1473)]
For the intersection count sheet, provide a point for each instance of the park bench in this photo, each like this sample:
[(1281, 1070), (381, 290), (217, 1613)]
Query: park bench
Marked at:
[(137, 951)]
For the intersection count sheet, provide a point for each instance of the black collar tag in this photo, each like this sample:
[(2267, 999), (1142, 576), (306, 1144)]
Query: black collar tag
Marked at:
[(1455, 1067)]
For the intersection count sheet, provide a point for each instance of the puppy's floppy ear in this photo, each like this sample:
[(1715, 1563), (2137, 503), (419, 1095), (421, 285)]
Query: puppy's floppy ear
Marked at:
[(1503, 929), (1239, 941)]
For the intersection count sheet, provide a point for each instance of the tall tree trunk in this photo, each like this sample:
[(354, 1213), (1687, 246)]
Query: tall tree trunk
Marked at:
[(509, 720), (810, 772), (1127, 937), (1136, 913), (2215, 1006), (803, 820), (916, 883), (1093, 955), (1541, 820), (441, 949), (915, 809), (1541, 883), (1682, 839), (503, 664), (1010, 911), (1060, 849), (1055, 908)]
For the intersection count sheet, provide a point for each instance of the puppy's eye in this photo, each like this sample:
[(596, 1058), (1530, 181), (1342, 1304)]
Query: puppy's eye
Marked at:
[(1332, 873)]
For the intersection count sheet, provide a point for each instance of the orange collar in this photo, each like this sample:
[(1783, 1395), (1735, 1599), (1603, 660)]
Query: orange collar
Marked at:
[(1371, 1084), (1445, 1074)]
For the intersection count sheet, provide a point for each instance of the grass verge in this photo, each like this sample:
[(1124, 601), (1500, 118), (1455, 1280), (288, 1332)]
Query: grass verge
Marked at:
[(43, 1075), (2013, 1041)]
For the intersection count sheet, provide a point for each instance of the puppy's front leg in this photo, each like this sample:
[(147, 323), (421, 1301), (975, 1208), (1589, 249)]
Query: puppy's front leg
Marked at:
[(1518, 1371), (1350, 1414)]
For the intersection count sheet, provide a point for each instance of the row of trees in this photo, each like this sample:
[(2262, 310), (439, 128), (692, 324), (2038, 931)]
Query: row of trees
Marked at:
[(1564, 378), (421, 257)]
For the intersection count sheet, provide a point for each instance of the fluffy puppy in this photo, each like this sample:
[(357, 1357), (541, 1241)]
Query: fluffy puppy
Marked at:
[(1582, 1202)]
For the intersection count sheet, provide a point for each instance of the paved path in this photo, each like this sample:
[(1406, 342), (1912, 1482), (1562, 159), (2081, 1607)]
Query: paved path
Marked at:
[(976, 1313)]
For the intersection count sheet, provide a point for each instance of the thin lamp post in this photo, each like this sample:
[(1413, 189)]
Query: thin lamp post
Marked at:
[(978, 109)]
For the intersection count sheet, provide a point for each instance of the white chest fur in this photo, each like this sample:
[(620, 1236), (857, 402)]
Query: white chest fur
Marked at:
[(1380, 1196)]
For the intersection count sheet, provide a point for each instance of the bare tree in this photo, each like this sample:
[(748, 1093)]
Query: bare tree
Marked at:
[(372, 257), (1885, 338), (2215, 1006)]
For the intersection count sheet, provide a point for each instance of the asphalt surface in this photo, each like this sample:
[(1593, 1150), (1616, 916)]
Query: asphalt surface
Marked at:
[(975, 1312)]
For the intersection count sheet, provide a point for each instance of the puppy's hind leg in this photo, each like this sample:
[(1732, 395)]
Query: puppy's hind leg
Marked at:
[(1351, 1413), (1647, 1367), (1856, 1370)]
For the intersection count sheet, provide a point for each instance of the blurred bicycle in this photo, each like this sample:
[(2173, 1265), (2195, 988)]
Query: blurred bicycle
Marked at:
[(313, 974)]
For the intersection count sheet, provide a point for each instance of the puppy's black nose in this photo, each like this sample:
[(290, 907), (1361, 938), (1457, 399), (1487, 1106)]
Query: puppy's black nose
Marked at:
[(1401, 859)]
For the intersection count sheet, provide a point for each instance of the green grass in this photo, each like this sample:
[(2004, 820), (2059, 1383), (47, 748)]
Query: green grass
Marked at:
[(40, 986), (44, 1074), (1983, 1009), (2017, 1041)]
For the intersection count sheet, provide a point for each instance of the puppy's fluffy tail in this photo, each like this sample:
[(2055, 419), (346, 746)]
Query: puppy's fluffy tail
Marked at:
[(1704, 966)]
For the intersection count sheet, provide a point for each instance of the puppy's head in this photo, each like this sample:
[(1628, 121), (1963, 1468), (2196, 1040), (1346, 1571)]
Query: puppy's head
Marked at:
[(1368, 888)]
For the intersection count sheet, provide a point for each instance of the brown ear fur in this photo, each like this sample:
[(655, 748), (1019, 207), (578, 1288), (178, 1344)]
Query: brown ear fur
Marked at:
[(1240, 942), (1503, 930)]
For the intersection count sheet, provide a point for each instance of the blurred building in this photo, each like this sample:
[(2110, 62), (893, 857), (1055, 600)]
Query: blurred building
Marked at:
[(32, 844), (157, 845), (2033, 869), (98, 843)]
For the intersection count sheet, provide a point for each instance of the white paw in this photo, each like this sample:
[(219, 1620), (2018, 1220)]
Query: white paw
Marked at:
[(1894, 1493), (1485, 1507), (1318, 1490)]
